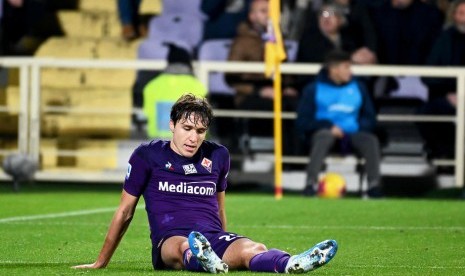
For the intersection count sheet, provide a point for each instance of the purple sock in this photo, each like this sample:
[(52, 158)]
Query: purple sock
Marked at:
[(190, 262), (272, 260)]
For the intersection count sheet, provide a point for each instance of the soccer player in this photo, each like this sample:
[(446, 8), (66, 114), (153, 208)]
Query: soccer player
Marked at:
[(183, 182)]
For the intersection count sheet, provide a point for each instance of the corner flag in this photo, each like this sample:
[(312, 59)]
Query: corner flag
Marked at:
[(274, 55), (274, 47)]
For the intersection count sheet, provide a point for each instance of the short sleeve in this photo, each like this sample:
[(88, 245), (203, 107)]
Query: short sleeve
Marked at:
[(137, 175), (224, 171)]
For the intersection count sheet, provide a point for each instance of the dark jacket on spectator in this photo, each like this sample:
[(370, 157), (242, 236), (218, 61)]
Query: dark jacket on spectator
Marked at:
[(449, 50), (406, 36), (360, 26), (222, 21), (307, 122)]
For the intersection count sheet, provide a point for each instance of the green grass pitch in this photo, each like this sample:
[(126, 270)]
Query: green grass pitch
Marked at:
[(46, 231)]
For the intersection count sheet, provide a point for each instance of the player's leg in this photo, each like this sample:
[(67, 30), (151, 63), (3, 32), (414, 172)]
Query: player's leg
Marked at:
[(322, 142), (172, 252), (247, 254), (244, 253), (176, 254), (313, 258), (367, 145), (203, 253)]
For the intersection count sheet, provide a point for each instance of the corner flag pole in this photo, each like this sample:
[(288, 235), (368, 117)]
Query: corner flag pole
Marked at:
[(274, 55)]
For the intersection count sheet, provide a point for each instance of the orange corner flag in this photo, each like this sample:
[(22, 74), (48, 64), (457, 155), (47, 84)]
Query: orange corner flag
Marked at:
[(274, 47)]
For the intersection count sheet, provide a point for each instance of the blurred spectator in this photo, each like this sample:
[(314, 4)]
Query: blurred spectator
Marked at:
[(334, 32), (293, 17), (249, 45), (337, 108), (27, 23), (163, 91), (253, 90), (406, 31), (131, 26), (359, 26), (331, 31), (223, 17), (449, 50)]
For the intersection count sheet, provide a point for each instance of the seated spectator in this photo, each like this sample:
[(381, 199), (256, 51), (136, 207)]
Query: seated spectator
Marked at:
[(28, 23), (223, 17), (131, 27), (330, 32), (253, 90), (359, 26), (163, 91), (333, 32), (406, 31), (249, 45), (334, 109), (449, 50)]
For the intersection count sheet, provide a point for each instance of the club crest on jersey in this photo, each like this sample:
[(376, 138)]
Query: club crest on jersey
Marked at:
[(168, 166), (207, 164), (189, 169)]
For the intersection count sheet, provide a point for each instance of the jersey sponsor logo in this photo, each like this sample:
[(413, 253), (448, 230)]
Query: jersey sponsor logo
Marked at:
[(191, 188), (189, 169), (341, 108), (128, 172), (207, 164)]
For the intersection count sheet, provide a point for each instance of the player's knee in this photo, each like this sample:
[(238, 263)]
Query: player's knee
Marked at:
[(258, 248)]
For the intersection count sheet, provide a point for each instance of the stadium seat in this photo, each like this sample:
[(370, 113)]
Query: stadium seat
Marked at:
[(68, 48), (216, 50), (191, 7), (85, 24), (117, 49), (62, 77), (292, 47), (151, 7), (109, 78), (117, 99), (172, 28), (149, 49), (102, 5)]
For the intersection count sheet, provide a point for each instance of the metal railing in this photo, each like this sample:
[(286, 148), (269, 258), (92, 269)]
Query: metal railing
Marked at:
[(30, 93)]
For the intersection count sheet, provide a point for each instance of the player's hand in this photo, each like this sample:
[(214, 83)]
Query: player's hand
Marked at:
[(337, 132), (364, 56), (267, 92), (89, 266), (16, 3), (452, 98)]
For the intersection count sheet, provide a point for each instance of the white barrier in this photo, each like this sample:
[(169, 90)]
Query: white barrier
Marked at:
[(30, 69)]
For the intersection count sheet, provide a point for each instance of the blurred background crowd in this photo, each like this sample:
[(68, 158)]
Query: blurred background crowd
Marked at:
[(385, 32)]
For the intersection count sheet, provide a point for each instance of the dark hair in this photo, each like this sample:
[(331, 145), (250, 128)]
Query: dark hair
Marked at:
[(189, 104), (335, 57), (178, 54)]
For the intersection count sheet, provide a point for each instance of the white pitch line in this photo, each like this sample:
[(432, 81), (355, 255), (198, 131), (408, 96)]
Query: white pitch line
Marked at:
[(406, 266), (380, 228), (61, 215)]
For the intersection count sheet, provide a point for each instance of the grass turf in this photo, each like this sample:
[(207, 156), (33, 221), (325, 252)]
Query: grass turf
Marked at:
[(388, 237)]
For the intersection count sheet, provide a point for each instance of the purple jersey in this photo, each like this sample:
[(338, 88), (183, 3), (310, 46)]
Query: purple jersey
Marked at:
[(179, 192)]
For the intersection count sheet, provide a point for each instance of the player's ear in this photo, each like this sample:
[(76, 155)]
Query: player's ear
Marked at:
[(171, 125)]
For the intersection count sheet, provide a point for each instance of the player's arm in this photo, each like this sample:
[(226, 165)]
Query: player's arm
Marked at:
[(222, 209), (119, 224)]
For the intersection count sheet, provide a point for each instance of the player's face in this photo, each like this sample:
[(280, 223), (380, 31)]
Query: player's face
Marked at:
[(258, 13), (340, 73), (459, 18), (329, 22), (401, 4), (187, 136)]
